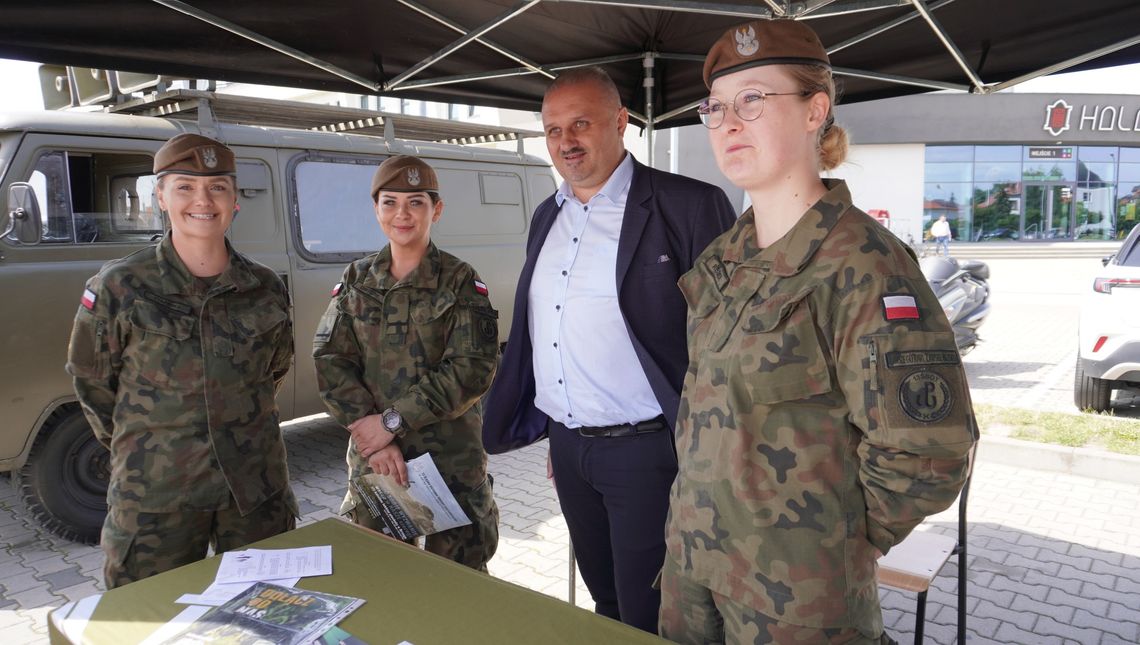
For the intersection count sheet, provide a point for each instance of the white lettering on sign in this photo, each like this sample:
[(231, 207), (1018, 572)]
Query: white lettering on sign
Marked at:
[(1093, 118)]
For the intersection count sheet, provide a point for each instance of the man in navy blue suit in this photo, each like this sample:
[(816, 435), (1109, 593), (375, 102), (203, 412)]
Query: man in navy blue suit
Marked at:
[(597, 351)]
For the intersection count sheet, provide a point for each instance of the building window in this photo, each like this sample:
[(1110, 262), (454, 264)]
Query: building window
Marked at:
[(996, 212), (949, 153), (997, 153), (1128, 193), (995, 193)]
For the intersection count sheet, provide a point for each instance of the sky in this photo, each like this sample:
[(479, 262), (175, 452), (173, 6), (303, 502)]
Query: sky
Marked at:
[(22, 89)]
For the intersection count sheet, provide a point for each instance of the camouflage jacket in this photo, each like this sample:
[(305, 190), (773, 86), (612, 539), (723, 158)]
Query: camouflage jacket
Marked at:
[(425, 345), (825, 413), (178, 380)]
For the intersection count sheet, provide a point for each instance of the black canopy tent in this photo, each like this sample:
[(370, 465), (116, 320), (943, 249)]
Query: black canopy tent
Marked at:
[(502, 53)]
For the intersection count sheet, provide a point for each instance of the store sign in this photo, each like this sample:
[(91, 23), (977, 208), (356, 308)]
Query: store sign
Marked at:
[(1050, 153), (1059, 117)]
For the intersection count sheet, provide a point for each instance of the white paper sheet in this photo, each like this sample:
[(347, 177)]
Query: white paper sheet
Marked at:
[(252, 565)]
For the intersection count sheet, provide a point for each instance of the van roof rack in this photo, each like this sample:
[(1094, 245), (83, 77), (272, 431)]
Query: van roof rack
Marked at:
[(231, 108)]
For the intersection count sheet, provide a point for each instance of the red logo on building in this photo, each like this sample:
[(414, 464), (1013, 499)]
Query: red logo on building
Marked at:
[(1057, 117)]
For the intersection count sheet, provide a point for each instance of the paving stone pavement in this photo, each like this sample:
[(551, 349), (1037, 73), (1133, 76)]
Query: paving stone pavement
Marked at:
[(1053, 558)]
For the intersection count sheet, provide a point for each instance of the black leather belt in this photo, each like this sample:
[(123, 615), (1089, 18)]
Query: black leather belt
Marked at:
[(625, 429)]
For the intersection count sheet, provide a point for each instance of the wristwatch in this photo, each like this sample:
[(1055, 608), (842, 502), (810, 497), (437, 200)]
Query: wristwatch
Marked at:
[(392, 420)]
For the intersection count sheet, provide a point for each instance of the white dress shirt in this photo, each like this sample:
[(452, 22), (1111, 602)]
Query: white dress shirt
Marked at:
[(586, 372)]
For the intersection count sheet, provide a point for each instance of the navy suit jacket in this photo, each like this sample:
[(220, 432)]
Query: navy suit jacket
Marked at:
[(666, 215)]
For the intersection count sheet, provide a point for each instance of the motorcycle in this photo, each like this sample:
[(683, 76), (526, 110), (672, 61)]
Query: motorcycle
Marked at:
[(961, 288)]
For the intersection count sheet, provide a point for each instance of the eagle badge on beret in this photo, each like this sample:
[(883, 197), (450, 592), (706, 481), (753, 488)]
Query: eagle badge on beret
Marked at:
[(414, 176), (746, 43), (210, 157)]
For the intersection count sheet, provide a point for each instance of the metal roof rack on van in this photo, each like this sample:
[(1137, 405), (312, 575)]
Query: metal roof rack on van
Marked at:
[(210, 107)]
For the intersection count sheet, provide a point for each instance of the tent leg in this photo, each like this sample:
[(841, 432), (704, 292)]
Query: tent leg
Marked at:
[(647, 62), (573, 581)]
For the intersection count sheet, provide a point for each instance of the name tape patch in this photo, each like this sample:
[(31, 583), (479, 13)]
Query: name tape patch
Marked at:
[(922, 357)]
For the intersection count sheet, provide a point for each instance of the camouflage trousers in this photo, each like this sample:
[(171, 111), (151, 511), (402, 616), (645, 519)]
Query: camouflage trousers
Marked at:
[(473, 545), (692, 614), (139, 545)]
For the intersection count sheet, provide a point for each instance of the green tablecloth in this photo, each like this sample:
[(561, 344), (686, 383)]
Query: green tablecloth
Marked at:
[(411, 596)]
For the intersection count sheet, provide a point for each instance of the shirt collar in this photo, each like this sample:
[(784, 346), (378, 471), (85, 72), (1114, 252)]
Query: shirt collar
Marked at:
[(788, 255), (424, 276), (614, 190), (176, 278)]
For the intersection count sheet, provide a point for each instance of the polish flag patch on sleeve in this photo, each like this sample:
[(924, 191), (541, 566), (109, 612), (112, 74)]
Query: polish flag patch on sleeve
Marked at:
[(481, 288), (88, 299), (900, 308), (336, 289)]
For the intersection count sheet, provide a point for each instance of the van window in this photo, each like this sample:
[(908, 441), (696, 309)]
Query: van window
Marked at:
[(334, 210), (90, 197), (337, 219), (480, 203)]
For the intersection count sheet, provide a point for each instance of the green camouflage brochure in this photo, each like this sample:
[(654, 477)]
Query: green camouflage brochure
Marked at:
[(269, 614)]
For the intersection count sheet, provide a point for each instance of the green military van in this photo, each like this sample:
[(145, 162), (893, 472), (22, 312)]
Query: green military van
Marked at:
[(79, 192)]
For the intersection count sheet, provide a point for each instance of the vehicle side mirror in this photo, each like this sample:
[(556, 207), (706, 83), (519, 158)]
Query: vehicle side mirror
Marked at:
[(23, 217), (1106, 259)]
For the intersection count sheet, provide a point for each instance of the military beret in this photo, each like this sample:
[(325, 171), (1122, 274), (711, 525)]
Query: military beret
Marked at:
[(764, 42), (193, 154), (404, 174)]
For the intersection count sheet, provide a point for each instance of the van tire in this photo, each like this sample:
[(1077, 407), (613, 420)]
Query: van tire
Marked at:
[(1091, 393), (64, 483)]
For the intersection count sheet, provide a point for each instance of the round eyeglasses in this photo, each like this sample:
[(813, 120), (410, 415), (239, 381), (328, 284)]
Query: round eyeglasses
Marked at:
[(748, 105)]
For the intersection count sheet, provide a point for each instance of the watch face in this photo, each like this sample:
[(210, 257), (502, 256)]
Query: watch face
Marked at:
[(392, 419)]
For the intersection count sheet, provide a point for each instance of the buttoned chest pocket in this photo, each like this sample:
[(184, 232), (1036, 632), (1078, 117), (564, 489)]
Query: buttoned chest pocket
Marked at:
[(258, 336), (430, 315), (368, 320), (774, 355), (786, 351), (163, 351)]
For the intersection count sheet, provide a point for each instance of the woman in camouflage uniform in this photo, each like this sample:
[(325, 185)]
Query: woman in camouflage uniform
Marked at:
[(405, 349), (825, 411), (177, 351)]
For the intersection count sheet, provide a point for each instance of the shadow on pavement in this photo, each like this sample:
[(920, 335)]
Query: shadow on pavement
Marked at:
[(1026, 588), (988, 371)]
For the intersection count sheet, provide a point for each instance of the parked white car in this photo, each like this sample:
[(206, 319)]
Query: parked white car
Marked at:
[(1108, 355)]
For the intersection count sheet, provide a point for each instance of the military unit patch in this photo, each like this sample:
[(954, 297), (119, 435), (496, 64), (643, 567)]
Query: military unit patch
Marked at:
[(336, 289), (488, 328), (88, 299), (925, 396), (900, 308), (481, 288)]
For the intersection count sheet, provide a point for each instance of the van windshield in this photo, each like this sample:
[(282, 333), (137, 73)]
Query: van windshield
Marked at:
[(96, 197)]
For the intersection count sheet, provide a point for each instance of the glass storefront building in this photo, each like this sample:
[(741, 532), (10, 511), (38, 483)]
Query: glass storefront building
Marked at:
[(1008, 167), (1032, 192)]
